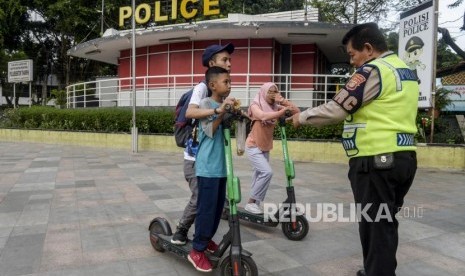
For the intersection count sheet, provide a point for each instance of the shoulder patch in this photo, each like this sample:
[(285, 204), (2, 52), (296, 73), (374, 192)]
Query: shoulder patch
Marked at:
[(355, 81)]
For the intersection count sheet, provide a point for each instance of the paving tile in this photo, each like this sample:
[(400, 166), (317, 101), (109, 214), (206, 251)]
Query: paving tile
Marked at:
[(79, 211), (269, 257)]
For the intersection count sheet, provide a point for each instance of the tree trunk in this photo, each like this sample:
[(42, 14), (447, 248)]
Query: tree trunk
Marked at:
[(355, 11), (449, 41)]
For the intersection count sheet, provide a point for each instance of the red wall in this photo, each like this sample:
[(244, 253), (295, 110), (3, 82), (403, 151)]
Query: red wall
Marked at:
[(302, 62), (158, 60), (186, 58)]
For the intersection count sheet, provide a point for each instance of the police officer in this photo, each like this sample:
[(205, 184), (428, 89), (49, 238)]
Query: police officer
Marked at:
[(378, 105)]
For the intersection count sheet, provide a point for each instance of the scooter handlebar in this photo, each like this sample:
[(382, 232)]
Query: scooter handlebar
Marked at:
[(282, 120)]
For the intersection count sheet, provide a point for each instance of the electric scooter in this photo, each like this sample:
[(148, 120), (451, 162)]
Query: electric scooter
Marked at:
[(295, 226), (239, 261)]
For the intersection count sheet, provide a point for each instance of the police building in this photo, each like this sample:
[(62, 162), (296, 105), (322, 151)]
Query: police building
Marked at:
[(292, 49)]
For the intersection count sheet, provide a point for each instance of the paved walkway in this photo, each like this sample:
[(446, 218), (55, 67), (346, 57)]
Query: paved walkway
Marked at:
[(68, 210)]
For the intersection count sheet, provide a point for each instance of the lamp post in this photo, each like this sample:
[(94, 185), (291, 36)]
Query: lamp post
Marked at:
[(433, 94), (134, 128), (101, 19)]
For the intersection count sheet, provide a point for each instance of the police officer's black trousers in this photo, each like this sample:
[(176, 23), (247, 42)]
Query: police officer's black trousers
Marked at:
[(383, 190)]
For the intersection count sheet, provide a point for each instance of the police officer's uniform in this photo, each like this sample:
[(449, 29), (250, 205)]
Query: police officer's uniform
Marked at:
[(379, 109)]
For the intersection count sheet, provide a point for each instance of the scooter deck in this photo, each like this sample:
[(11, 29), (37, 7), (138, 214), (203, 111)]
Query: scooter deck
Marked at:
[(254, 218), (182, 250), (179, 249)]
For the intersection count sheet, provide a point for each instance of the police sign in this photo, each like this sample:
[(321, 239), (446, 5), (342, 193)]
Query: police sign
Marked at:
[(417, 46), (20, 71), (187, 10)]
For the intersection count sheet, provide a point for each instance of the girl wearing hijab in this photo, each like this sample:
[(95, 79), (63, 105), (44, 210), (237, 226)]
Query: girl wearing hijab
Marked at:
[(267, 107)]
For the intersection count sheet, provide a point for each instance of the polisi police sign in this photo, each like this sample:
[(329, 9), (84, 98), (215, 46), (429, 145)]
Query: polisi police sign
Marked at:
[(186, 9), (20, 71), (417, 46)]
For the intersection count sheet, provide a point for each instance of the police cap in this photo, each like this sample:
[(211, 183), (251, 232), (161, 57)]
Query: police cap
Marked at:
[(413, 44)]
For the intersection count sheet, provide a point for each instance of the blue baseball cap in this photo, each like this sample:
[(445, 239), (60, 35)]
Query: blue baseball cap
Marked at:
[(212, 50)]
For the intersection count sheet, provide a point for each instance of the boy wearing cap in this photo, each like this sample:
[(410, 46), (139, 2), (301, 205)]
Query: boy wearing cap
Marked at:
[(213, 55)]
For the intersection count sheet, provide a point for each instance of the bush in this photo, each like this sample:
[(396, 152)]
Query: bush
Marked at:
[(155, 120), (158, 120), (60, 97), (119, 120), (446, 129)]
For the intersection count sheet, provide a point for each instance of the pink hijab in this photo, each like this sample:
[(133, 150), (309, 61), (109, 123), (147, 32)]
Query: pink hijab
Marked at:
[(260, 101)]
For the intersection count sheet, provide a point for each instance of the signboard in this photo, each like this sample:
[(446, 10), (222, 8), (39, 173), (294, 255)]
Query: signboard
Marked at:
[(417, 42), (20, 71), (162, 12)]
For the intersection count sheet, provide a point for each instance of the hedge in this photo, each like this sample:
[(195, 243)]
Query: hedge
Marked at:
[(157, 120)]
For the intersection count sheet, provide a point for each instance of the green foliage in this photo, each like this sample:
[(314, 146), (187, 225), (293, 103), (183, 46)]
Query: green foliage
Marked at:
[(148, 120), (60, 97), (96, 120), (445, 56), (442, 99), (352, 11), (160, 121), (332, 132), (12, 17), (446, 129), (392, 40), (258, 6)]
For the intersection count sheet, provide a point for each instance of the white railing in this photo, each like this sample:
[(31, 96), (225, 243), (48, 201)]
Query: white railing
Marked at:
[(303, 89)]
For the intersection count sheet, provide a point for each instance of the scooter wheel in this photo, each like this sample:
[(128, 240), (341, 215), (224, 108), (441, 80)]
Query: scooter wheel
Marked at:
[(249, 268), (159, 226), (296, 231)]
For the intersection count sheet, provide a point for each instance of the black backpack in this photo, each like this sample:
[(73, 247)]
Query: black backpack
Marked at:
[(183, 126)]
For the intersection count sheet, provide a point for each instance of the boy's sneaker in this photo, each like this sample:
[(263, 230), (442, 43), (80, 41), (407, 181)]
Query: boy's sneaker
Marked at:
[(199, 261), (180, 236), (212, 246), (253, 208)]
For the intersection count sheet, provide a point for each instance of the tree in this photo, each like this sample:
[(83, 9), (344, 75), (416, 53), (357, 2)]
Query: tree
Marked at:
[(259, 6), (355, 11), (12, 17), (445, 57)]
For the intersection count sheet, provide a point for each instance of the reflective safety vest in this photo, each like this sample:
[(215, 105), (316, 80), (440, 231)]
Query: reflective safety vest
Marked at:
[(388, 122)]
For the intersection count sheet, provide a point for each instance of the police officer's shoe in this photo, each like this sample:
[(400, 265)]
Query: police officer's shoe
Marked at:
[(361, 272)]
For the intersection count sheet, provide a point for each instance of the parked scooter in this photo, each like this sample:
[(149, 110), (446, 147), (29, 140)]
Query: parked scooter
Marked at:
[(296, 225), (239, 261)]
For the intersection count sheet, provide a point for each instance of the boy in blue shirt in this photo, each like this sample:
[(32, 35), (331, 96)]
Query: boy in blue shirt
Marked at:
[(210, 168)]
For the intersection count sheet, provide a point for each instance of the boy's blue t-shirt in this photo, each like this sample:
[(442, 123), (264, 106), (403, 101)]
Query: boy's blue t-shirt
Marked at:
[(210, 159)]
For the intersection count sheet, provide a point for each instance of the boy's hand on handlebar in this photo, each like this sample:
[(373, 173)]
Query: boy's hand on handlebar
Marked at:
[(226, 102)]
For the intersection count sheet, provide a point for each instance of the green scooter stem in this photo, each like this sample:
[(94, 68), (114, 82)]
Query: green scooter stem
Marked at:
[(233, 186), (288, 163), (233, 189)]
